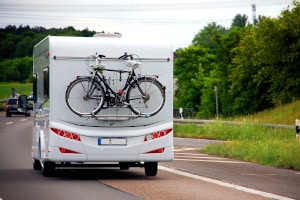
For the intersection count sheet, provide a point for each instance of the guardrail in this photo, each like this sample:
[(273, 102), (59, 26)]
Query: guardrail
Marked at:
[(202, 121)]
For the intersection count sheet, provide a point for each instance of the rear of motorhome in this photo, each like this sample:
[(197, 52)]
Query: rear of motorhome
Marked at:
[(115, 136)]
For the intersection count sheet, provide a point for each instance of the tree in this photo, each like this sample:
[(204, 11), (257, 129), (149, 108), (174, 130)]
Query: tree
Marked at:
[(224, 55), (191, 66), (239, 21), (205, 37), (16, 46), (266, 63)]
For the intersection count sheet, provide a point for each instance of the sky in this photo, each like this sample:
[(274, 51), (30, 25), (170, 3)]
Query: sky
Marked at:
[(177, 20)]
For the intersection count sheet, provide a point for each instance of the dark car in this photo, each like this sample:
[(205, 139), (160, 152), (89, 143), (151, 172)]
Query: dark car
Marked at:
[(12, 108)]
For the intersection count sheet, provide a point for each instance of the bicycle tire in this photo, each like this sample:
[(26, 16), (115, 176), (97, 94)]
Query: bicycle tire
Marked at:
[(154, 100), (78, 99)]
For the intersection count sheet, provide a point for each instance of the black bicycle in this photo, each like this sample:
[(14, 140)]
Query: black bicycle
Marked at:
[(143, 95)]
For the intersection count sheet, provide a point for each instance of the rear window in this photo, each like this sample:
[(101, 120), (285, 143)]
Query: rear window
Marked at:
[(12, 101)]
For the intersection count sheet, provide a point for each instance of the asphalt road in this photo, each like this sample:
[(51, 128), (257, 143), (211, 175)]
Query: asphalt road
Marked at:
[(190, 176)]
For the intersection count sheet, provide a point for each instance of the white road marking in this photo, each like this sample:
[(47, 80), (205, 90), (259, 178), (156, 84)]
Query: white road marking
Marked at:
[(22, 120), (185, 149), (228, 185), (9, 123), (216, 161), (199, 157)]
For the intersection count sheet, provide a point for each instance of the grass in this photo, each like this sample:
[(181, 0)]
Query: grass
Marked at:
[(281, 114), (6, 88), (251, 141)]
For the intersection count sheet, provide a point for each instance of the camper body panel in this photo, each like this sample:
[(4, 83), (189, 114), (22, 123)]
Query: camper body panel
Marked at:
[(57, 62)]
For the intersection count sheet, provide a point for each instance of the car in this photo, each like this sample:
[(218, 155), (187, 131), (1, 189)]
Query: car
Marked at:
[(11, 107), (31, 97)]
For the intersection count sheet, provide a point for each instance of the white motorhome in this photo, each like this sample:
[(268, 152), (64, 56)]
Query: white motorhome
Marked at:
[(115, 136)]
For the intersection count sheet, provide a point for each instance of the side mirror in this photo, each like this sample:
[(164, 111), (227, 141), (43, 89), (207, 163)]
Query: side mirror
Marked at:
[(22, 103)]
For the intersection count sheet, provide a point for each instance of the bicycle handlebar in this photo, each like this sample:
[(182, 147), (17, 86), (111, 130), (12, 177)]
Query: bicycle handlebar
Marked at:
[(125, 56), (100, 56)]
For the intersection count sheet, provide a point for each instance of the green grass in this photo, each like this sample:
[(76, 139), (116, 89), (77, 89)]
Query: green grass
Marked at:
[(254, 143), (282, 114), (6, 88), (21, 88), (251, 141)]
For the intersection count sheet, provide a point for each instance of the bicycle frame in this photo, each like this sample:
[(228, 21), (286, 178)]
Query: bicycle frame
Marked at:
[(117, 96)]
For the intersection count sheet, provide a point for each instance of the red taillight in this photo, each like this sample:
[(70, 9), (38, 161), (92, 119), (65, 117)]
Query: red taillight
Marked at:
[(161, 150), (66, 134), (64, 150), (158, 134)]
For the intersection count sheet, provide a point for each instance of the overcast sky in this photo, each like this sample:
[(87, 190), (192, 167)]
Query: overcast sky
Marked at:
[(179, 20)]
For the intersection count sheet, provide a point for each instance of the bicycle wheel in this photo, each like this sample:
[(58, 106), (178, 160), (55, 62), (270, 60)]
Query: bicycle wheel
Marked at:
[(85, 96), (146, 96)]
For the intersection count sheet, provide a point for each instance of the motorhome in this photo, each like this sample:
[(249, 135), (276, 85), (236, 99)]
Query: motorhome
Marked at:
[(115, 136)]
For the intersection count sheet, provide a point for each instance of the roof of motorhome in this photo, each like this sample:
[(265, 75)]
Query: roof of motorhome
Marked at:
[(154, 47), (102, 34)]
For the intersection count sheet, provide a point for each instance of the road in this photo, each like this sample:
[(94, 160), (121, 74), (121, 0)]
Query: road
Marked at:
[(191, 175)]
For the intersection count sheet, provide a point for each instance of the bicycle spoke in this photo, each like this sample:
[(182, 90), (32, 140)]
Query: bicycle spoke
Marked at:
[(84, 96), (148, 98)]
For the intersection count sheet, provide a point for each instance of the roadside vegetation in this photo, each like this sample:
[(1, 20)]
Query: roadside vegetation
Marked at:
[(251, 140), (6, 90), (250, 73), (251, 68)]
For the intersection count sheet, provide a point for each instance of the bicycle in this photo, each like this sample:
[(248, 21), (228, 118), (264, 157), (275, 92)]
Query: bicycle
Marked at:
[(143, 95)]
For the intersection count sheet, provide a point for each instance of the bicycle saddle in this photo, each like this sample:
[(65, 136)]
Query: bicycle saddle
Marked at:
[(133, 64)]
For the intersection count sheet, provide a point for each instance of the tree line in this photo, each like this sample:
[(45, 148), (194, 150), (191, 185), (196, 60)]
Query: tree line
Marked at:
[(16, 48), (242, 69), (248, 67)]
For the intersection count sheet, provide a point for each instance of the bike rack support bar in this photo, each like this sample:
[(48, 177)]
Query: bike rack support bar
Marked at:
[(72, 58), (114, 117), (110, 59)]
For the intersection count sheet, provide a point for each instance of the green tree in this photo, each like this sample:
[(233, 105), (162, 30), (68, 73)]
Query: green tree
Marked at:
[(224, 56), (16, 70), (239, 21), (205, 37), (191, 66), (16, 46), (267, 64)]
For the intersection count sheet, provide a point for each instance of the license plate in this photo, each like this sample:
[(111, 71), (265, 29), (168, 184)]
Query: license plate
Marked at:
[(112, 141)]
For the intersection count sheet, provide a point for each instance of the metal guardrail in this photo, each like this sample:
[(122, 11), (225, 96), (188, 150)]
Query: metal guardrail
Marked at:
[(202, 121)]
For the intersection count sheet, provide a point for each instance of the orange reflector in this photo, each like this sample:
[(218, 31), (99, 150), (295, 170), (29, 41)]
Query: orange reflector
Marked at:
[(68, 135), (155, 135)]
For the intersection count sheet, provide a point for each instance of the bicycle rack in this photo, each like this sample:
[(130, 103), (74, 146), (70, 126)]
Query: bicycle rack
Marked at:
[(115, 117)]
